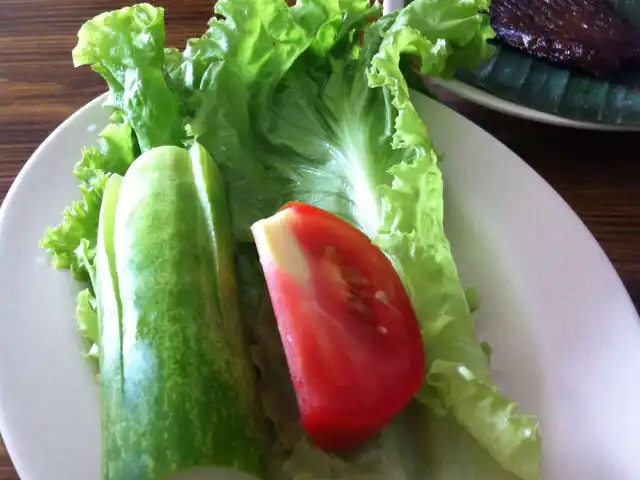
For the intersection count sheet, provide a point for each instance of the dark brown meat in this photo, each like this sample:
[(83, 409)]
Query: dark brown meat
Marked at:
[(584, 34)]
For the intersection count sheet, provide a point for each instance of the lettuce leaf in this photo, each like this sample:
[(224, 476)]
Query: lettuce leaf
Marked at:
[(72, 243), (126, 47), (114, 153), (413, 236), (87, 322), (241, 61)]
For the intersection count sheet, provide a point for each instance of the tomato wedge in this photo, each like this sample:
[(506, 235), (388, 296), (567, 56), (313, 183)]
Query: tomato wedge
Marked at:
[(350, 335)]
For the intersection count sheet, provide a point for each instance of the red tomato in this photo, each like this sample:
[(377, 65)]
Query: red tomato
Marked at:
[(350, 335)]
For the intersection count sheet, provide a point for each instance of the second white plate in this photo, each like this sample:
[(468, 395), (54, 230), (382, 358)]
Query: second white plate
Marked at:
[(488, 100)]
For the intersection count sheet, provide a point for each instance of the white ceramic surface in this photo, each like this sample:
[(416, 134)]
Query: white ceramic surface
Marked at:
[(488, 100), (566, 336)]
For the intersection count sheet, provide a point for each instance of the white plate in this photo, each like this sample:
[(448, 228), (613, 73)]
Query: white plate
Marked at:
[(488, 100), (565, 334)]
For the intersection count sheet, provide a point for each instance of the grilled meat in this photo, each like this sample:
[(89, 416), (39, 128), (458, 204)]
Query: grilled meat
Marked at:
[(588, 35)]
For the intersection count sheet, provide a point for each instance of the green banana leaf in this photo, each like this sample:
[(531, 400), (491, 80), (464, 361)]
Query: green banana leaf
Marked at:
[(522, 79)]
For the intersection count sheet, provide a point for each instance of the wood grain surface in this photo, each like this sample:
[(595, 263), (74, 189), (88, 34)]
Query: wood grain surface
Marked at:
[(598, 174)]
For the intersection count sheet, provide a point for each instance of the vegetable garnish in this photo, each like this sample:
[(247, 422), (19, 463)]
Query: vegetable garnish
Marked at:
[(178, 391), (347, 326), (292, 106)]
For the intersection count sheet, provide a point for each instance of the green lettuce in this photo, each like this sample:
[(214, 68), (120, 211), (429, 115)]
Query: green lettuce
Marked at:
[(458, 379), (126, 47), (413, 236), (260, 46), (311, 103), (114, 153), (87, 322), (72, 243)]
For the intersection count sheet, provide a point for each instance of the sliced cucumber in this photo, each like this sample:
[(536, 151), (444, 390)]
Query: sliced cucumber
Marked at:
[(177, 385)]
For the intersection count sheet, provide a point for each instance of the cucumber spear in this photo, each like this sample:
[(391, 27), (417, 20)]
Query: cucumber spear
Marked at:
[(178, 389)]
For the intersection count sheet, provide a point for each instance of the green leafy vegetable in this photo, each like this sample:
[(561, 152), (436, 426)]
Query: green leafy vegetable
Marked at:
[(72, 242), (87, 321), (79, 221), (257, 44), (458, 372), (114, 154), (126, 47), (293, 106)]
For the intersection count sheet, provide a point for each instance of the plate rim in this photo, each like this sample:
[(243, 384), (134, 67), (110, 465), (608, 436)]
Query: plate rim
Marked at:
[(35, 159), (488, 100)]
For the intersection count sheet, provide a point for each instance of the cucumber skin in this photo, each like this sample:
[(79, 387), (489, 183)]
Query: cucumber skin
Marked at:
[(178, 387)]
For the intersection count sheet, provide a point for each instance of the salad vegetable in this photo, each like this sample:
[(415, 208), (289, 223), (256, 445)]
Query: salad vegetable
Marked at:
[(311, 103), (349, 333), (177, 386)]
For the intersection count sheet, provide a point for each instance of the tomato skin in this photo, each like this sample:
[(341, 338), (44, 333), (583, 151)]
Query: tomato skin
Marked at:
[(350, 335)]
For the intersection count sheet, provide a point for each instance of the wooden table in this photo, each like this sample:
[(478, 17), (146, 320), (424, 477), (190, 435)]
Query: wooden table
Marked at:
[(598, 174)]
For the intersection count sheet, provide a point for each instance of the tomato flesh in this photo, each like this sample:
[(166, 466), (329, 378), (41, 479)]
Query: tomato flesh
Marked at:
[(350, 335)]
